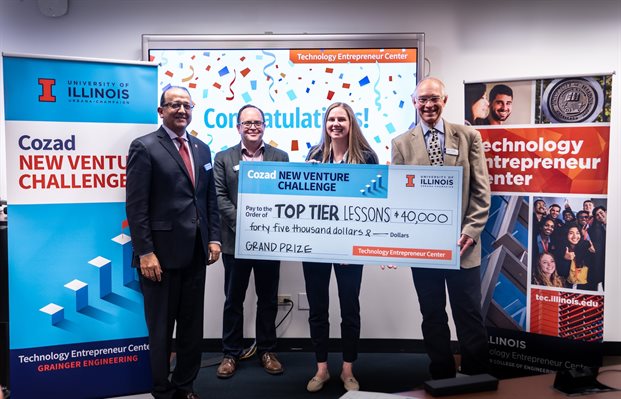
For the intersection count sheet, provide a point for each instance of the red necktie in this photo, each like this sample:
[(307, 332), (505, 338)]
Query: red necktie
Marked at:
[(185, 155)]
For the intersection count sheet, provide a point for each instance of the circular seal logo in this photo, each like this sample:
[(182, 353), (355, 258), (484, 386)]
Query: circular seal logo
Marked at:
[(573, 100)]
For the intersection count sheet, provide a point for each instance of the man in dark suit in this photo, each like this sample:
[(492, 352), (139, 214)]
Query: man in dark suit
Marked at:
[(437, 142), (251, 126), (175, 228)]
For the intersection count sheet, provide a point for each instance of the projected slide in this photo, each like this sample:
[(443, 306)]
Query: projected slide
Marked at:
[(294, 88)]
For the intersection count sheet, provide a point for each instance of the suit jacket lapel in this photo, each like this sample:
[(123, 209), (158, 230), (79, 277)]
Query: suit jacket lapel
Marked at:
[(236, 155), (268, 154), (451, 145), (195, 156), (168, 144), (418, 141)]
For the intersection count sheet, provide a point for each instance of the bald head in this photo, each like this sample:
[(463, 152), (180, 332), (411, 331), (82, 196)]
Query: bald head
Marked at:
[(430, 80), (429, 99)]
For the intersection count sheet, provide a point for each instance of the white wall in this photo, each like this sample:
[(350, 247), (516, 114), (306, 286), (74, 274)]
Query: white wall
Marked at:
[(465, 41)]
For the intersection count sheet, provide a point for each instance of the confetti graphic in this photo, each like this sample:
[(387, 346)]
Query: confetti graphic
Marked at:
[(188, 78), (269, 77), (232, 96), (377, 92)]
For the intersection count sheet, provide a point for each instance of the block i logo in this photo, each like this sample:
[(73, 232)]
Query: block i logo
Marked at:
[(46, 90)]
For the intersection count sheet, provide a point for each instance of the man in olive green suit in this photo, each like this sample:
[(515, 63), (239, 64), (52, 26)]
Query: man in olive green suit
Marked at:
[(457, 145)]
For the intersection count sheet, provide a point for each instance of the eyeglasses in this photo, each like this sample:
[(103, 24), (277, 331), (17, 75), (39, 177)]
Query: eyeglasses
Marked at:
[(252, 123), (177, 106), (432, 99)]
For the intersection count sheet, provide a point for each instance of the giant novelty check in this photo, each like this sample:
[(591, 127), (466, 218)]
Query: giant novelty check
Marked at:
[(355, 214)]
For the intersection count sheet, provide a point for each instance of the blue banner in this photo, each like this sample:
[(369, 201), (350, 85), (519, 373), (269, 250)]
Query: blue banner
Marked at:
[(76, 312), (56, 90)]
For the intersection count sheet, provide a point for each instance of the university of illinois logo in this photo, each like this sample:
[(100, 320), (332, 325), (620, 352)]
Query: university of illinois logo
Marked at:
[(573, 100), (46, 90), (410, 180)]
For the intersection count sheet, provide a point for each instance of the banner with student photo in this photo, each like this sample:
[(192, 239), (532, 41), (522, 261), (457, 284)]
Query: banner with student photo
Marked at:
[(76, 314), (547, 143)]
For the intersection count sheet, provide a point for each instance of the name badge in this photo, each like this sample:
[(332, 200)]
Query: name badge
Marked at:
[(452, 151)]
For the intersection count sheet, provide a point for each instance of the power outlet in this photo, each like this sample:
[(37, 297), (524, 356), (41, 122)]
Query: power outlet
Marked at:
[(284, 299), (303, 301)]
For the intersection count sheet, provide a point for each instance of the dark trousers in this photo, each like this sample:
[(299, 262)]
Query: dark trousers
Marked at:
[(349, 279), (180, 297), (464, 289), (236, 279)]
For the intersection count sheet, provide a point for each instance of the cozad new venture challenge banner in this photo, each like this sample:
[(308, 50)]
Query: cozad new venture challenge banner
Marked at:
[(76, 314)]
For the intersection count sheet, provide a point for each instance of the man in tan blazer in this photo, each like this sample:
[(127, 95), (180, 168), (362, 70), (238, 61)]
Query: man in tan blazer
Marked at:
[(458, 146)]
